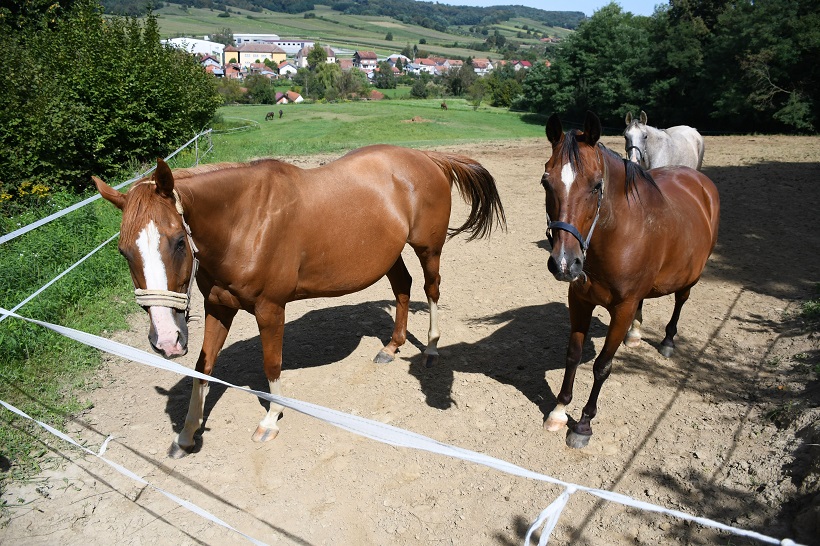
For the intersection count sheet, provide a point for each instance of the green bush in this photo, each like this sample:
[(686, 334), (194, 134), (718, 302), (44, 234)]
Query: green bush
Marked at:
[(84, 95)]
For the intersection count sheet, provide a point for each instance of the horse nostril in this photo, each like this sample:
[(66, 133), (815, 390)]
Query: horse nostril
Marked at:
[(552, 265)]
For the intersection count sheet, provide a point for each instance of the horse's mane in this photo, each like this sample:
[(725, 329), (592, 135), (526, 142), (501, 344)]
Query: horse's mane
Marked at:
[(633, 173)]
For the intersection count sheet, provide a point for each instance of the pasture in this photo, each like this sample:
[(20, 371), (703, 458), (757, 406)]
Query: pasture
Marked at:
[(691, 432), (343, 32)]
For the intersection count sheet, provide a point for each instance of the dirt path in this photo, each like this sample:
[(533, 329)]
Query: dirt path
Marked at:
[(688, 433)]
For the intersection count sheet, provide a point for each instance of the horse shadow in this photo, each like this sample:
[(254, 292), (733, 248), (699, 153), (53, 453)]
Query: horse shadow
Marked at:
[(530, 342)]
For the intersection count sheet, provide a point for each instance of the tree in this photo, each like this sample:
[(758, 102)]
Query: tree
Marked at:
[(223, 36), (389, 37), (316, 57), (457, 82), (384, 77)]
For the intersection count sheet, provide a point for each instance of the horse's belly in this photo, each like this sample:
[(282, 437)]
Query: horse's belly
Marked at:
[(346, 268)]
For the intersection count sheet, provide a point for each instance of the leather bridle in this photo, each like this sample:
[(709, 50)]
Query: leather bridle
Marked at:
[(572, 230)]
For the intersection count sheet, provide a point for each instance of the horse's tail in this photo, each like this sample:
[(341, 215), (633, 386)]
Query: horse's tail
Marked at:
[(477, 187)]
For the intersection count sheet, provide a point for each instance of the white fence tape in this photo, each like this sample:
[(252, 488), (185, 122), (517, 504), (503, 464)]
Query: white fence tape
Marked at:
[(125, 472), (60, 276), (43, 221), (398, 437)]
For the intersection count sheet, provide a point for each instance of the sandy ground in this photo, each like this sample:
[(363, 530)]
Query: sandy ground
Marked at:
[(688, 433)]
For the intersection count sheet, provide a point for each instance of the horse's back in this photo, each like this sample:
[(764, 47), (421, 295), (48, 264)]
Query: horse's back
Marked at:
[(688, 148)]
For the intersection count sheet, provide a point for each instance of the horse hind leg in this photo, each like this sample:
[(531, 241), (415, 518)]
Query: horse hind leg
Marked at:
[(400, 282), (430, 258), (633, 336), (668, 343)]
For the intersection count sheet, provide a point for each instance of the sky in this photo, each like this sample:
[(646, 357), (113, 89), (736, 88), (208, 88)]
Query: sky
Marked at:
[(636, 7)]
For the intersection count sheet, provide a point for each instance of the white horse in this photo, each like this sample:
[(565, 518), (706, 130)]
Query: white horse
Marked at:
[(651, 147)]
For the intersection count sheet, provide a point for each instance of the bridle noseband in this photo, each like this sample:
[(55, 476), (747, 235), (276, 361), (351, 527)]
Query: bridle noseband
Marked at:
[(169, 298), (572, 230), (640, 153)]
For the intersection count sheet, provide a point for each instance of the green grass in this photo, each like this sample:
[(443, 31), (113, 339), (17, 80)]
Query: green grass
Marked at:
[(336, 128)]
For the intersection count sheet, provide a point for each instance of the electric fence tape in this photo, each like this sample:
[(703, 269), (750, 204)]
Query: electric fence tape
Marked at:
[(396, 437)]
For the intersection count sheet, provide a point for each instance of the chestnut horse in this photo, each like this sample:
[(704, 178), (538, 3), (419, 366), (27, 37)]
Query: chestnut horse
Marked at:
[(259, 235), (619, 235)]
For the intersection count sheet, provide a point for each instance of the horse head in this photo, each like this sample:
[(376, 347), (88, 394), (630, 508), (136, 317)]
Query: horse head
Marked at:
[(155, 241), (635, 136), (573, 179)]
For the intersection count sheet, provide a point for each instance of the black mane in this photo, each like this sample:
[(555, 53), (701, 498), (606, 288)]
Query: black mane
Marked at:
[(633, 173)]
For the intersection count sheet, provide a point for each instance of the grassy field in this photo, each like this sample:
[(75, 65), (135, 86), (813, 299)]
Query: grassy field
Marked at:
[(345, 33), (329, 128)]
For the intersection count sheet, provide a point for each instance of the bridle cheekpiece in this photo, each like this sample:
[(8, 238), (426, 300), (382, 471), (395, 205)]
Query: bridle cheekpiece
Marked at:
[(572, 230)]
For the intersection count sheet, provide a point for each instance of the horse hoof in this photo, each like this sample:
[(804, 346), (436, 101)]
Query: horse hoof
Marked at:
[(554, 425), (176, 451), (264, 434), (632, 341), (667, 350), (430, 360), (577, 441), (383, 358)]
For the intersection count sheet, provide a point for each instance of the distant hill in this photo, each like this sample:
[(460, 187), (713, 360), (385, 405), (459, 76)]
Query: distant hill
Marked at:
[(426, 14)]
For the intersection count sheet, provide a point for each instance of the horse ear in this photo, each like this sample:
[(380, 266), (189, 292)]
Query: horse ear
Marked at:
[(592, 129), (108, 193), (554, 130), (628, 118), (643, 117), (163, 178)]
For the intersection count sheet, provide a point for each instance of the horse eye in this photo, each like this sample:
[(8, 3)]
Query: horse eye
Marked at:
[(180, 244)]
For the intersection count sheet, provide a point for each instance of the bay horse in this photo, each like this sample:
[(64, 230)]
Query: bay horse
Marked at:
[(272, 115), (651, 147), (258, 235), (619, 235), (443, 105)]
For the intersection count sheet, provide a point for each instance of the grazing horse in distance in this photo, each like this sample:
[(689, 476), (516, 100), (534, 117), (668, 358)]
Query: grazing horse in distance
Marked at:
[(281, 113), (272, 115), (619, 235), (443, 105), (266, 233), (651, 147)]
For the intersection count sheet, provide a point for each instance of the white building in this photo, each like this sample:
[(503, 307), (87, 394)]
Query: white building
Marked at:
[(240, 39), (196, 46)]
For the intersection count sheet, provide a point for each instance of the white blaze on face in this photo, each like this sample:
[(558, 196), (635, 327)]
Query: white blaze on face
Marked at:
[(156, 279), (567, 176)]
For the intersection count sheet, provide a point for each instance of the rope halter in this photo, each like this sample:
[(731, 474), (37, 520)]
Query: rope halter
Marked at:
[(168, 298)]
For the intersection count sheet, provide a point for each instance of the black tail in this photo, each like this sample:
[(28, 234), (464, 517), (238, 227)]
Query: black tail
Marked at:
[(477, 187)]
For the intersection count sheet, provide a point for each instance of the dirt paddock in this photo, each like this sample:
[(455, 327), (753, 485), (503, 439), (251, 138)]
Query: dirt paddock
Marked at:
[(693, 432)]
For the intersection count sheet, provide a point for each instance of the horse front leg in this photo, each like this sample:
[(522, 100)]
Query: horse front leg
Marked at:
[(621, 318), (218, 321), (400, 282), (668, 343), (580, 316), (271, 321)]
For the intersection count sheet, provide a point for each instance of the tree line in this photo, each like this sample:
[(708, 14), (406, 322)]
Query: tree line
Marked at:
[(719, 65)]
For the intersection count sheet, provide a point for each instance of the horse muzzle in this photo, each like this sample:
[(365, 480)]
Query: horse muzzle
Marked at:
[(168, 331), (565, 266)]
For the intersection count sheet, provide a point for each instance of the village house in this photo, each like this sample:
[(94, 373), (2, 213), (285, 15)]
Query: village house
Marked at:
[(253, 53), (482, 67), (365, 60), (287, 69), (302, 56)]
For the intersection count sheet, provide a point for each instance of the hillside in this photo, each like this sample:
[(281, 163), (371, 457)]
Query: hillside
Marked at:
[(348, 32), (434, 15)]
